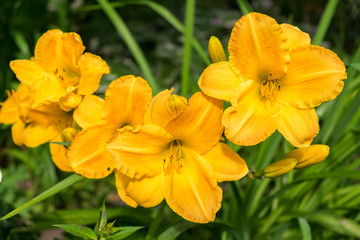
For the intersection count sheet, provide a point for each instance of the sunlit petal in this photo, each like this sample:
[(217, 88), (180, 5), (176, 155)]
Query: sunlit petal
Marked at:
[(258, 47), (87, 153), (225, 163), (295, 36), (17, 130), (250, 120), (92, 68), (36, 134), (298, 126), (219, 81), (27, 71), (90, 111), (192, 191), (199, 126), (164, 107), (315, 75), (141, 151), (126, 101)]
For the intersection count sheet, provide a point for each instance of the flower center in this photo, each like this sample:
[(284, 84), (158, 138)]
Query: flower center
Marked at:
[(174, 160), (66, 77), (269, 89)]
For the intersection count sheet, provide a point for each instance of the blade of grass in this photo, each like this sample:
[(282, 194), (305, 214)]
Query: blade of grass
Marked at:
[(130, 41), (244, 6), (325, 21), (305, 229), (164, 13), (46, 194), (189, 28)]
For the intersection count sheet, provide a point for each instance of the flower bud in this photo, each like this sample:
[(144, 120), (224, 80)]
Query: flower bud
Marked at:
[(279, 168), (176, 104), (309, 156), (70, 100), (68, 134), (216, 51)]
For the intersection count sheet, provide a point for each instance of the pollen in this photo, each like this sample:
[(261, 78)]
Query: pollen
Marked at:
[(269, 88)]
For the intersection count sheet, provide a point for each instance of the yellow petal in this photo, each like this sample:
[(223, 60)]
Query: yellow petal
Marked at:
[(10, 112), (50, 114), (192, 192), (87, 153), (59, 155), (199, 126), (258, 47), (295, 36), (141, 151), (122, 181), (216, 51), (219, 81), (17, 132), (68, 134), (126, 100), (225, 163), (309, 156), (36, 134), (92, 68), (298, 126), (164, 107), (58, 52), (250, 121), (280, 167), (146, 192), (315, 75), (90, 111), (27, 71)]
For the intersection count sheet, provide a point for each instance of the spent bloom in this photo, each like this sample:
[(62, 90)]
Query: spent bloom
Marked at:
[(274, 78), (60, 71), (176, 155)]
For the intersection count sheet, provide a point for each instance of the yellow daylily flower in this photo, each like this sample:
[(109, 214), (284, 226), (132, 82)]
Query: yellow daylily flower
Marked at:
[(176, 155), (274, 78), (59, 71), (125, 103), (32, 126)]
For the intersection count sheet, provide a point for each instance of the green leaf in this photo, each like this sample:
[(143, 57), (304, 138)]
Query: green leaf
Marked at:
[(305, 229), (340, 225), (123, 232), (101, 222), (174, 231), (130, 41), (78, 230), (325, 21), (46, 194)]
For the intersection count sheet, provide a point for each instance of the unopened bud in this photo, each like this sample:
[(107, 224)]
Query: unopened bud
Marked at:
[(216, 50), (309, 156), (70, 100), (68, 134), (279, 168), (176, 104)]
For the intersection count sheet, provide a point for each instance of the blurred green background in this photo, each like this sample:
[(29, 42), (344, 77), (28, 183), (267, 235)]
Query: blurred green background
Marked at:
[(298, 206)]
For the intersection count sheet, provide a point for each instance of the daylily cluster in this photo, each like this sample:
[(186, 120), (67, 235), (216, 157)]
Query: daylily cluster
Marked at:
[(168, 147)]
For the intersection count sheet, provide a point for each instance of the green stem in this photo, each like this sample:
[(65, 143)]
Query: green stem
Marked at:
[(244, 6), (130, 41), (155, 223), (189, 27), (325, 21), (244, 229), (44, 195)]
